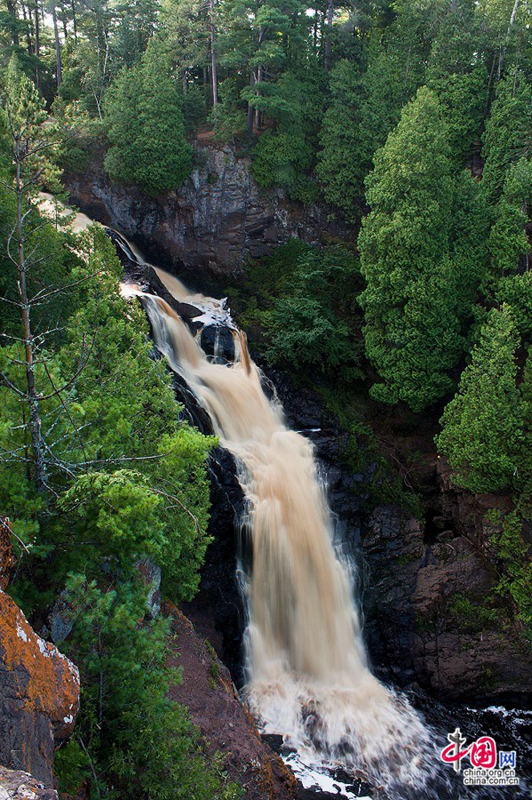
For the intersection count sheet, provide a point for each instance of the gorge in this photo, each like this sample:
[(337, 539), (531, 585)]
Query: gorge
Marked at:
[(307, 677), (275, 546)]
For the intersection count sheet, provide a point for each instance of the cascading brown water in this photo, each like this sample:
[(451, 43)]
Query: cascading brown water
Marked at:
[(308, 673)]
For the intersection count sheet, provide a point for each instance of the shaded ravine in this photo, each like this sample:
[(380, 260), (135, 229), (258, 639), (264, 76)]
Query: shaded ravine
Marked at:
[(307, 672)]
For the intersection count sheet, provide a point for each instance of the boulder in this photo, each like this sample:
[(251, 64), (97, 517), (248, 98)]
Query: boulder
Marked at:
[(39, 695), (16, 785)]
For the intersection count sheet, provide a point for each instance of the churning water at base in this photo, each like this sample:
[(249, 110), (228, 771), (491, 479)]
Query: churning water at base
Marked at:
[(308, 677)]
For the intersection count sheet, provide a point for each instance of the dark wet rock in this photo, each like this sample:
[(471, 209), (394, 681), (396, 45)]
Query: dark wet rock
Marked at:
[(60, 619), (218, 611), (414, 620), (208, 225), (217, 342)]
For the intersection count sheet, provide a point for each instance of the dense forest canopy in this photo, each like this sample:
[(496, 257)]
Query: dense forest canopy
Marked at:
[(412, 121)]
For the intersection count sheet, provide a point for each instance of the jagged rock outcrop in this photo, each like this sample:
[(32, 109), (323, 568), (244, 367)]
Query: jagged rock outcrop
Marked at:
[(15, 785), (426, 610), (213, 223), (227, 726), (39, 691)]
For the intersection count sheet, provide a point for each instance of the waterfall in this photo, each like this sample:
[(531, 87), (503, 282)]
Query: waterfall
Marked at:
[(308, 674)]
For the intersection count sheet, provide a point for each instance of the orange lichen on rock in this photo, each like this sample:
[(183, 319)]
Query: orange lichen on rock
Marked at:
[(39, 695), (51, 681)]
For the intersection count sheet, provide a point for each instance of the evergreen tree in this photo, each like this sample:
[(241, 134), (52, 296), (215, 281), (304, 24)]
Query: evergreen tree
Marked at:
[(412, 327), (314, 321), (457, 72), (140, 743), (508, 240), (146, 128), (482, 433), (340, 167), (283, 156), (508, 131), (397, 59), (126, 480)]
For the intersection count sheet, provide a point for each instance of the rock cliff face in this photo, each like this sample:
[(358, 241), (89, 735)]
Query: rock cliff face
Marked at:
[(426, 616), (213, 223), (39, 691), (208, 691)]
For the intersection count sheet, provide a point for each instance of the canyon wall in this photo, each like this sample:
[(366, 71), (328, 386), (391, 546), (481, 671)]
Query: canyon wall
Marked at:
[(212, 224)]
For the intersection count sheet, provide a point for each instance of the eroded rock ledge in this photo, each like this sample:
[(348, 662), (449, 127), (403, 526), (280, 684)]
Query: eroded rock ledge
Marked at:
[(217, 220), (228, 728)]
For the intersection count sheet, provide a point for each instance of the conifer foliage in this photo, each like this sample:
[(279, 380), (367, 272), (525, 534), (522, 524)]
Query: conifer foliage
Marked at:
[(144, 117), (411, 302)]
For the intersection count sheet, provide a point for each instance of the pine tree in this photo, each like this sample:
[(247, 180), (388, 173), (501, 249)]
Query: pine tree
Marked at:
[(508, 241), (458, 74), (483, 425), (144, 116), (508, 131), (412, 327), (340, 166), (284, 155)]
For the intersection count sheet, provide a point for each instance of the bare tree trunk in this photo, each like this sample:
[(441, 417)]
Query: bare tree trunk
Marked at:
[(328, 40), (214, 65), (37, 441), (11, 8), (260, 71), (250, 107), (259, 77), (37, 44), (64, 23), (57, 48), (29, 43), (505, 44), (74, 20)]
